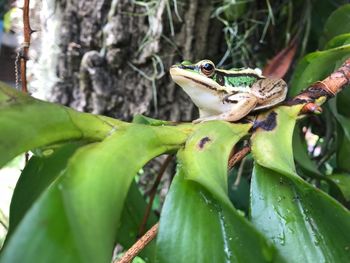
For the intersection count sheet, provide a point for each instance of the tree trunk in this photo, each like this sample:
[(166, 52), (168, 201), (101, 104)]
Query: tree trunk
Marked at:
[(115, 54)]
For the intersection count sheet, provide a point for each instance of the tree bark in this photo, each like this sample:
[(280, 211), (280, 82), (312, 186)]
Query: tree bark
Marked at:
[(115, 54)]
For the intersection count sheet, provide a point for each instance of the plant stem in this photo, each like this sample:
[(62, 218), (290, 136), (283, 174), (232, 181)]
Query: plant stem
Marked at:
[(139, 245), (153, 192), (25, 45), (236, 157)]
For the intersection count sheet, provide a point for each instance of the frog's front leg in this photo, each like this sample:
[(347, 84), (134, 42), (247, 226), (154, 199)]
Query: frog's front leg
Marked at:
[(242, 104)]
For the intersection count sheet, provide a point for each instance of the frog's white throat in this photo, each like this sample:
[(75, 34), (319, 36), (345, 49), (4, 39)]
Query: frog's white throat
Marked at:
[(204, 91)]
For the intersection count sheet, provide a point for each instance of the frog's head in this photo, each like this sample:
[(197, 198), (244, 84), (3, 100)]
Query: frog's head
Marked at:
[(196, 76)]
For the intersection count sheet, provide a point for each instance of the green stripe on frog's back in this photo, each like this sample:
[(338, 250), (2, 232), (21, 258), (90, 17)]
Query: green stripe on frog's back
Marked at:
[(239, 79)]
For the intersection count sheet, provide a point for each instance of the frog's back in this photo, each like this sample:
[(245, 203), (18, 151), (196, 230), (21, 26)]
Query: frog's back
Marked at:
[(239, 79)]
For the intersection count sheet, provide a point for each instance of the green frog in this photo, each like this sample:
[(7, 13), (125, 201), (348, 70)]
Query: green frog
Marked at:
[(227, 95)]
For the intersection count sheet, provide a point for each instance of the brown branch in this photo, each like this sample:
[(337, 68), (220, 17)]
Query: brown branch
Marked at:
[(139, 245), (27, 31), (317, 93), (152, 194), (236, 157)]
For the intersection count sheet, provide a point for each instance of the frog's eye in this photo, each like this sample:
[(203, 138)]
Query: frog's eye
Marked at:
[(208, 68)]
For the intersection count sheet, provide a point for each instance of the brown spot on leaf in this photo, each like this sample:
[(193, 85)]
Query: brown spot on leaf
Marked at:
[(203, 141)]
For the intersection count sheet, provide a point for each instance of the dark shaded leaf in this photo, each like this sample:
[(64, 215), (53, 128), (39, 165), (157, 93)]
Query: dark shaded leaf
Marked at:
[(343, 182), (337, 23)]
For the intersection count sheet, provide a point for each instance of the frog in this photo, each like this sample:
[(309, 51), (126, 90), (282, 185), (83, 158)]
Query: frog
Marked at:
[(227, 95)]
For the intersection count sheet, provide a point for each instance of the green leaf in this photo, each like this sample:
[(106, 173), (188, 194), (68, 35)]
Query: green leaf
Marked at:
[(37, 176), (132, 216), (287, 209), (343, 151), (341, 40), (337, 23), (195, 227), (339, 108), (342, 100), (303, 222), (316, 66), (210, 147), (141, 119), (198, 222), (343, 182), (77, 219), (274, 148), (27, 123)]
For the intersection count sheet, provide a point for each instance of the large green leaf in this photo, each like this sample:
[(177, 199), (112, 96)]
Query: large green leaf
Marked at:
[(198, 223), (77, 219), (316, 66), (337, 23), (27, 123), (304, 223), (293, 214), (39, 173)]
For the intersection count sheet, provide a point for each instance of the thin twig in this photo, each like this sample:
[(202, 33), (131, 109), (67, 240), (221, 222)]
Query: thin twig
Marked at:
[(27, 31), (236, 157), (239, 173), (139, 245), (152, 194)]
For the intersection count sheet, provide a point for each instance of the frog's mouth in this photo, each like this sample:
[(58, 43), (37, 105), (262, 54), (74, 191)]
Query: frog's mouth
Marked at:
[(184, 78)]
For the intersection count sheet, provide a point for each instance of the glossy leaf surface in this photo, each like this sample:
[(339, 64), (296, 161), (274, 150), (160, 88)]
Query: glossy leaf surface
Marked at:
[(293, 214), (198, 223)]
